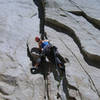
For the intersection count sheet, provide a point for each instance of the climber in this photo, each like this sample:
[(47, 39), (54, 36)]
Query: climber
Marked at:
[(41, 15), (46, 50)]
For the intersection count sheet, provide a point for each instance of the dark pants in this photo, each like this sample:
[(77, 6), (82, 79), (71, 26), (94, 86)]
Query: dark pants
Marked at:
[(47, 51)]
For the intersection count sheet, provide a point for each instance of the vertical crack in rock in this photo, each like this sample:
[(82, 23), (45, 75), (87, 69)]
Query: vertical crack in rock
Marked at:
[(41, 15), (65, 29)]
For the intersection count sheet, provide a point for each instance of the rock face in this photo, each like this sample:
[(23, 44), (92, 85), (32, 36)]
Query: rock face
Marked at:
[(71, 25)]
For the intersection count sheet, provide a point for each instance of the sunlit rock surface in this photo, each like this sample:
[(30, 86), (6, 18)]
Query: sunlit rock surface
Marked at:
[(71, 25)]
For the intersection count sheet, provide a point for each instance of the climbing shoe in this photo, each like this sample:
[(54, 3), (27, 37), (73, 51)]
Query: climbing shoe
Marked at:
[(33, 70)]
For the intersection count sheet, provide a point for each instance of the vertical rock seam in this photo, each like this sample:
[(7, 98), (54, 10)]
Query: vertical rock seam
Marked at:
[(41, 15)]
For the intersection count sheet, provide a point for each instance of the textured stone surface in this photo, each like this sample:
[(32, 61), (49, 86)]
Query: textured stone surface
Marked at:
[(17, 24), (80, 44), (71, 25)]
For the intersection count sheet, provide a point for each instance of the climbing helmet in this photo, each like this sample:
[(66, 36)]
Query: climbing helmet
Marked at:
[(37, 39)]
